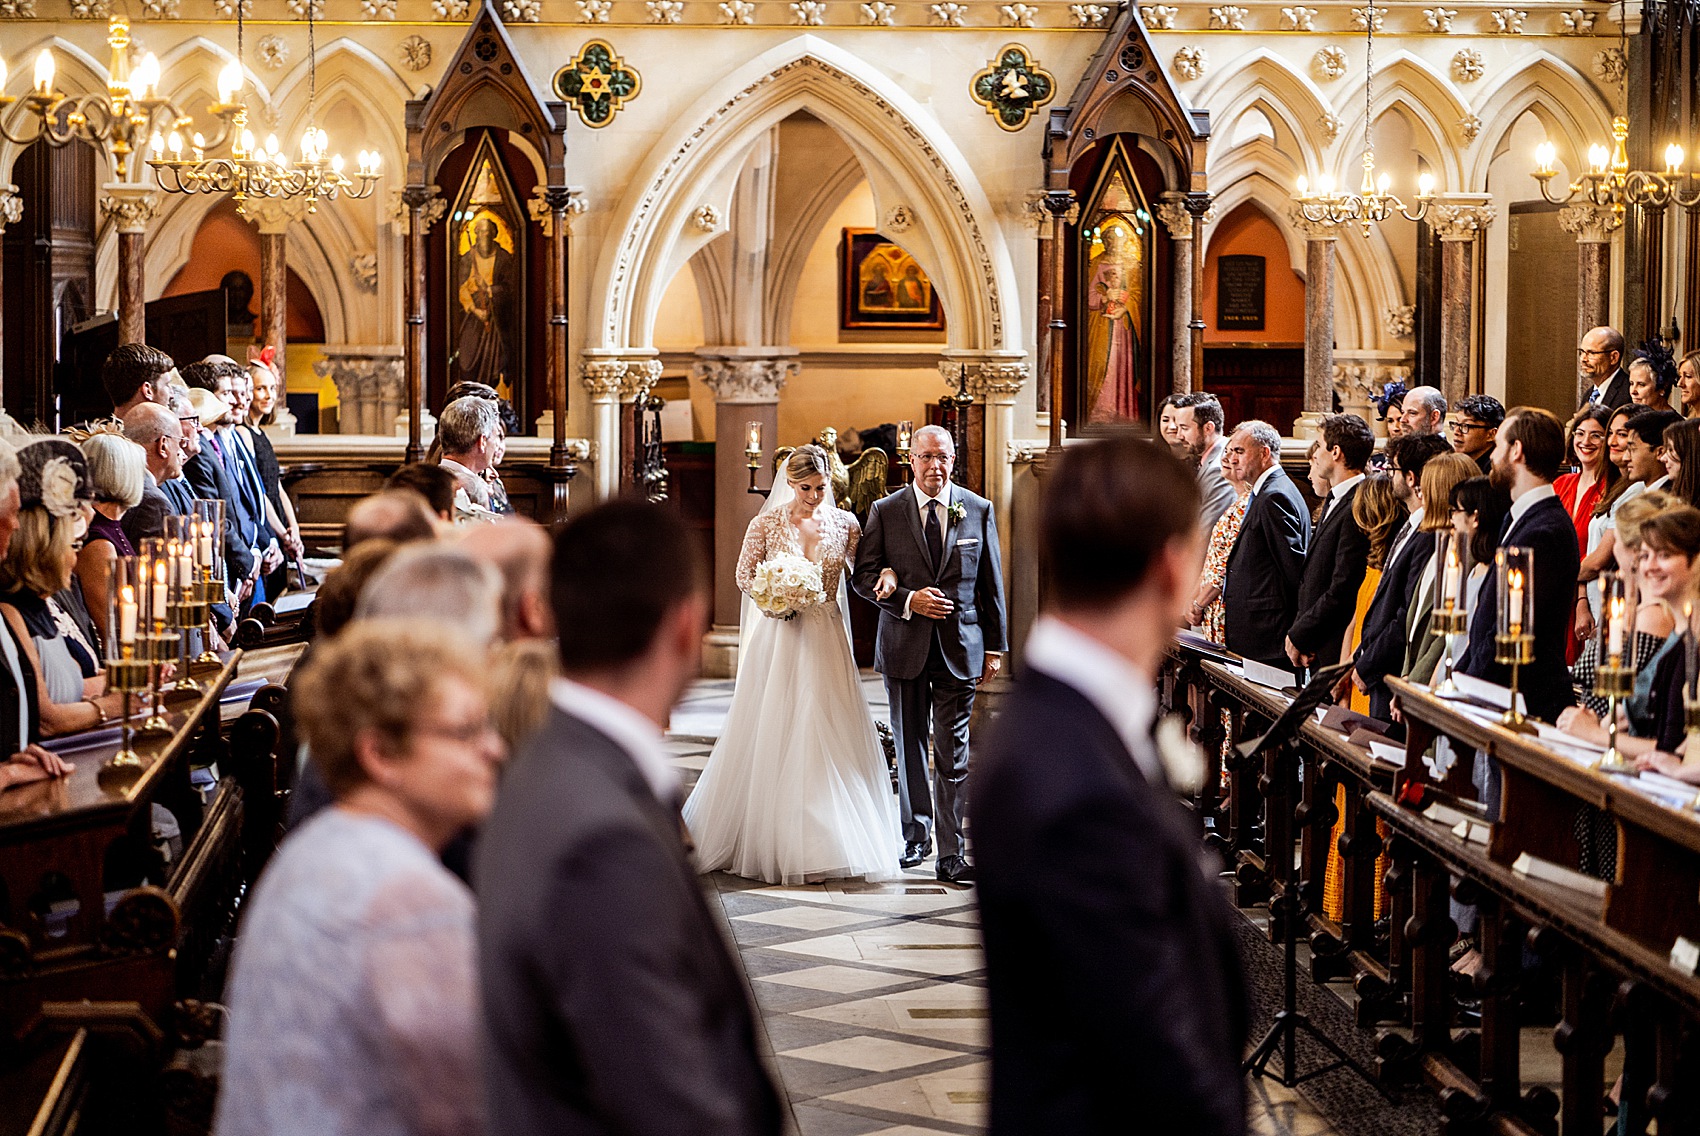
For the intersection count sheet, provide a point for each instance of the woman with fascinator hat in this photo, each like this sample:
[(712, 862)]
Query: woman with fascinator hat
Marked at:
[(1652, 376), (55, 497)]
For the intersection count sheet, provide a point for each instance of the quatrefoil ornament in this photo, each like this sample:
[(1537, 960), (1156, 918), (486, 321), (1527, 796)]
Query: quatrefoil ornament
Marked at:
[(1012, 87), (598, 83)]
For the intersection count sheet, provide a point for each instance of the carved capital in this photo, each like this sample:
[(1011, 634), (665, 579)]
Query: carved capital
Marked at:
[(1201, 205), (989, 380), (1312, 230), (1035, 210), (641, 375), (273, 215), (425, 199), (1590, 224), (1461, 220), (11, 206), (1172, 212), (131, 207), (744, 378), (551, 201), (602, 377)]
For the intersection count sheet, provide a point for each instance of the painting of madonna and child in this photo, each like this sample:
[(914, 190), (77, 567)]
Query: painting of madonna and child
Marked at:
[(1114, 313)]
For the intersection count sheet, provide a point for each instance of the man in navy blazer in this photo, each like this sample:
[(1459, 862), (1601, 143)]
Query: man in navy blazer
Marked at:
[(1339, 549), (1526, 458), (1260, 592), (1381, 644), (1091, 870)]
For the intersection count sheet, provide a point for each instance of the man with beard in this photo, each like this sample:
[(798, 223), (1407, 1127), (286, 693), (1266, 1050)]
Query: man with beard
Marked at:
[(1526, 457), (1198, 428)]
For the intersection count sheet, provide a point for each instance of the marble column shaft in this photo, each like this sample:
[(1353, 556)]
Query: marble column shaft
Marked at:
[(996, 382), (11, 212), (1319, 317), (1172, 212), (1458, 219), (131, 206), (1592, 227)]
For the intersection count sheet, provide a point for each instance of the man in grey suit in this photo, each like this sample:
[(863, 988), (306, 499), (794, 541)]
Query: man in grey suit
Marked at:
[(1198, 422), (611, 1002), (930, 559)]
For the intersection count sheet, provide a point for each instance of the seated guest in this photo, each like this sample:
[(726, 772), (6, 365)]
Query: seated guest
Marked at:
[(1423, 649), (1379, 513), (135, 373), (33, 764), (1381, 651), (69, 688), (441, 579), (160, 435), (471, 432), (1339, 550), (1526, 458), (1681, 457), (1652, 377), (1651, 619), (1423, 411), (1208, 610), (337, 598), (520, 673), (432, 482), (117, 468), (1599, 362), (1261, 586), (519, 550), (1089, 865), (400, 515), (1475, 425), (1688, 384), (353, 989), (1198, 425), (19, 720)]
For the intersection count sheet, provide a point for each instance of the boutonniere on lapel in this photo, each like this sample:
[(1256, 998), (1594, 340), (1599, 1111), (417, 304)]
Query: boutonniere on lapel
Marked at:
[(956, 511), (1183, 761)]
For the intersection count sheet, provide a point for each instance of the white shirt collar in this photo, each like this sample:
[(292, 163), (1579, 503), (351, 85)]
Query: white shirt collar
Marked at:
[(1529, 500), (631, 731), (1414, 521), (1120, 691), (1660, 483), (1345, 486), (1257, 486), (921, 497)]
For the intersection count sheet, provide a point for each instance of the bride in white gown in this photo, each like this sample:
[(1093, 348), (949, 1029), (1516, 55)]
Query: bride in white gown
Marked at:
[(797, 789)]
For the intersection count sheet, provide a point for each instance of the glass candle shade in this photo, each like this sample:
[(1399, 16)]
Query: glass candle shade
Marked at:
[(153, 574), (1616, 629), (905, 434), (124, 608), (752, 443), (1514, 578), (209, 538)]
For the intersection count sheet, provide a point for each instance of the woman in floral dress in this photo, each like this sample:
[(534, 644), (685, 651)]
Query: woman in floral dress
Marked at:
[(1207, 609)]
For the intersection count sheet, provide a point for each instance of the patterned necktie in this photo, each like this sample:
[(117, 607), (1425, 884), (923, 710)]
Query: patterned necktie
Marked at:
[(1594, 397), (935, 535)]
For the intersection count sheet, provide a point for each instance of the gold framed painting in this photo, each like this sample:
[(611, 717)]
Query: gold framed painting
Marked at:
[(882, 286)]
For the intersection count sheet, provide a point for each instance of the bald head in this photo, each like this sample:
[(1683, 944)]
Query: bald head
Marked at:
[(1423, 411), (156, 429), (519, 549), (400, 515)]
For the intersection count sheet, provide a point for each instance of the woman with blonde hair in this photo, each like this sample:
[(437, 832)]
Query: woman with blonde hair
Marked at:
[(797, 788), (117, 472), (1440, 476), (1688, 384), (1379, 513)]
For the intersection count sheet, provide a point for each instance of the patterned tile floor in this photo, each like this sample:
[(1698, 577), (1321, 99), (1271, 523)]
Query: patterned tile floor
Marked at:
[(873, 995)]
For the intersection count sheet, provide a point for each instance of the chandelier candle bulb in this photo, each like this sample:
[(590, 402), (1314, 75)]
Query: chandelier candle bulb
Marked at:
[(44, 73), (229, 82), (1673, 158)]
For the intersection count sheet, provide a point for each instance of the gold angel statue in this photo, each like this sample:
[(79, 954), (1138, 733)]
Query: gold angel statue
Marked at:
[(855, 487)]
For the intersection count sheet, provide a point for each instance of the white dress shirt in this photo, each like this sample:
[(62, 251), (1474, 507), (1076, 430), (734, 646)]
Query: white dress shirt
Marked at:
[(1338, 492), (631, 731), (1412, 523), (1257, 486), (922, 499), (1528, 501), (1125, 695)]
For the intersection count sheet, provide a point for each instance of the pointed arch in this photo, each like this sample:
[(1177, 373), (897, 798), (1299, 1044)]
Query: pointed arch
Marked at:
[(78, 72), (1428, 100), (1564, 100), (1266, 81), (190, 66), (909, 161)]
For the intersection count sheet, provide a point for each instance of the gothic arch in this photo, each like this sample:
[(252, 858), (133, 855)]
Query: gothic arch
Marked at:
[(1566, 103), (1429, 102), (909, 160), (78, 72), (1268, 82)]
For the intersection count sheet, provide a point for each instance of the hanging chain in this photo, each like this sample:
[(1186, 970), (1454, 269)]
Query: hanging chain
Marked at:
[(1369, 74), (312, 65)]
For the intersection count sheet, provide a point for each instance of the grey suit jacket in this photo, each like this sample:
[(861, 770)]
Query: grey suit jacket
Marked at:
[(971, 576), (611, 1002), (147, 517), (1218, 495)]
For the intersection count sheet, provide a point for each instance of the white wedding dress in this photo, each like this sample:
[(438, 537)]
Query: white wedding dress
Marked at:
[(797, 789)]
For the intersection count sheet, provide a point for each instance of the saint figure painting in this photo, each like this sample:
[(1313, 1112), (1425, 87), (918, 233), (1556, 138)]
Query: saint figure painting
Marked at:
[(1116, 255), (486, 280)]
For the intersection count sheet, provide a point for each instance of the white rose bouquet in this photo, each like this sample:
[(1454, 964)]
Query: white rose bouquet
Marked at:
[(786, 585)]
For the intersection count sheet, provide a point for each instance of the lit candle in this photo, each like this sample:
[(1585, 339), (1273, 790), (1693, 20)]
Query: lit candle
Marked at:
[(160, 598), (44, 73), (185, 570), (1614, 647), (1515, 596), (1454, 575), (127, 615), (203, 547), (752, 439), (905, 433)]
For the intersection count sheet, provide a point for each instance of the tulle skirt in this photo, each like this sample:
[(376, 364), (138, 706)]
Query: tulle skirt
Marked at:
[(797, 789)]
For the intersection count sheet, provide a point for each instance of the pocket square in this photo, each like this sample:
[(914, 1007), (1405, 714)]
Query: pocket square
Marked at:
[(968, 540)]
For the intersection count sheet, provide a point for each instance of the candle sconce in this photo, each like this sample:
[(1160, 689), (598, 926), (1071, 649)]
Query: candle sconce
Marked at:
[(1449, 617), (905, 436), (752, 456), (1514, 639), (126, 670), (1614, 674)]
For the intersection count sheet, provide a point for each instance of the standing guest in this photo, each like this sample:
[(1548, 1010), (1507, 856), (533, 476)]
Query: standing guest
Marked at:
[(353, 990), (1441, 475), (160, 436), (246, 447), (1090, 865), (1198, 424), (1424, 411), (208, 478), (611, 1002), (1168, 422), (1652, 377), (1475, 425), (1207, 609), (135, 373), (1381, 650), (1379, 513), (1597, 547), (1339, 551), (1526, 458), (1580, 491), (1261, 586), (1651, 622), (432, 482), (1681, 460), (257, 412), (1688, 384), (471, 432), (1599, 366), (117, 469)]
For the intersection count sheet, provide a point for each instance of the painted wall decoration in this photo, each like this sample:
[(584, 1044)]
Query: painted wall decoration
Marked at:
[(883, 286), (487, 281), (598, 83), (1115, 293), (1012, 87)]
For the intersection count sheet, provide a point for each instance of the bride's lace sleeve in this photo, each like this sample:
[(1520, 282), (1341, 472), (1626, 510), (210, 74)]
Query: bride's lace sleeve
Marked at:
[(754, 550)]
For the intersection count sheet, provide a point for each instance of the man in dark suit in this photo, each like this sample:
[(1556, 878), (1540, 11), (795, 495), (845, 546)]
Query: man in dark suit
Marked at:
[(1339, 549), (1527, 457), (1600, 371), (209, 478), (1260, 592), (1381, 645), (1091, 872), (160, 434), (930, 560), (611, 1002)]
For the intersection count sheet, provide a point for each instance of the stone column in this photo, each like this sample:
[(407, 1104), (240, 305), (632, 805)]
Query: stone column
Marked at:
[(995, 380), (131, 206), (602, 374), (369, 389), (272, 217), (1592, 226), (1457, 219), (1060, 204), (1172, 212), (11, 211), (423, 207), (746, 382), (1319, 322), (550, 208), (1199, 205)]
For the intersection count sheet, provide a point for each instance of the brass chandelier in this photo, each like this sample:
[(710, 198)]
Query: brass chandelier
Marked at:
[(1374, 202)]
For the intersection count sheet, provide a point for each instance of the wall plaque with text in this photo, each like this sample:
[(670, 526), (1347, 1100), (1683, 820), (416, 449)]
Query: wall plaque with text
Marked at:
[(1239, 293)]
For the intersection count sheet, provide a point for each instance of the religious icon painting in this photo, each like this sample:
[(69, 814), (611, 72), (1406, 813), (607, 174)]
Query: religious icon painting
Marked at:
[(486, 249), (883, 287), (1114, 294)]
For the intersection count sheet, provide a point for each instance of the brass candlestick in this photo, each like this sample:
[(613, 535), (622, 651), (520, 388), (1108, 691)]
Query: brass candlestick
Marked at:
[(1447, 622), (128, 675), (186, 616), (154, 651), (208, 591), (1614, 682), (1514, 650)]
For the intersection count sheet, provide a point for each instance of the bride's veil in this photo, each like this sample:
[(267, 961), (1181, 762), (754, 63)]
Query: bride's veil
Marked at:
[(780, 497)]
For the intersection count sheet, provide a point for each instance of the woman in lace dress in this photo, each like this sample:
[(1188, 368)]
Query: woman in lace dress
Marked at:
[(797, 789), (1208, 611)]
